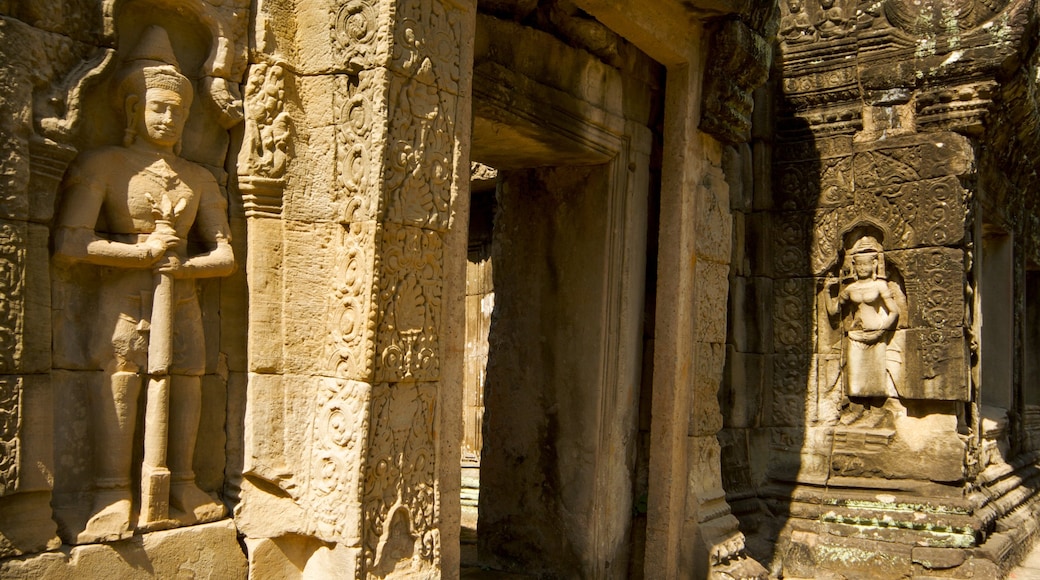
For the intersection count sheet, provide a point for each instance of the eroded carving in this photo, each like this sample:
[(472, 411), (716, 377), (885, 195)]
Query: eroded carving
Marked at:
[(795, 25), (10, 434), (400, 523), (419, 165), (427, 36), (12, 295), (933, 18), (739, 60), (832, 22), (147, 198)]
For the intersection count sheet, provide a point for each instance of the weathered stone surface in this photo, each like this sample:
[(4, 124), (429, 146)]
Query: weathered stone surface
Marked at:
[(940, 371), (208, 549)]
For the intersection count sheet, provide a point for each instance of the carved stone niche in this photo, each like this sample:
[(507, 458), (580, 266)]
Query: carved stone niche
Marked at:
[(880, 306), (133, 372), (866, 299)]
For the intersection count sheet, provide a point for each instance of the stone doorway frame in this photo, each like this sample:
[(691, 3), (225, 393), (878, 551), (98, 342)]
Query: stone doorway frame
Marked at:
[(583, 133)]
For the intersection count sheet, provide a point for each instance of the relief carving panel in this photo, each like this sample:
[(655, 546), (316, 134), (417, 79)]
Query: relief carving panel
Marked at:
[(872, 311), (940, 371), (420, 159), (427, 36), (266, 141), (913, 158), (12, 299), (936, 289), (351, 318), (792, 315), (147, 313), (358, 34), (359, 109), (10, 434), (338, 446), (400, 531), (410, 281)]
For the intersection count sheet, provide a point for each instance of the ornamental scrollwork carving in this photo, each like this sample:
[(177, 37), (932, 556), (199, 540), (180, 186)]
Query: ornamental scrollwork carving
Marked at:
[(340, 433), (357, 124), (352, 328), (357, 34)]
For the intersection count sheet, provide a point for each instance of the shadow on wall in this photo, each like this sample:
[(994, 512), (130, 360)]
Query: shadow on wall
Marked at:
[(767, 439)]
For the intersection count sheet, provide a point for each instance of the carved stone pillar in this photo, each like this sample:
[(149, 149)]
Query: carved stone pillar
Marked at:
[(350, 301)]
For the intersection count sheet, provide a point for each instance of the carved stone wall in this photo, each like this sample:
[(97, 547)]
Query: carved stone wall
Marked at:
[(58, 58), (884, 119), (347, 352)]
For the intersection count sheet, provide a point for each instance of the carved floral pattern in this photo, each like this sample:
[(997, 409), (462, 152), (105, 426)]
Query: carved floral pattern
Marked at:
[(409, 304), (419, 165), (340, 430), (357, 34), (792, 314), (399, 506), (351, 325)]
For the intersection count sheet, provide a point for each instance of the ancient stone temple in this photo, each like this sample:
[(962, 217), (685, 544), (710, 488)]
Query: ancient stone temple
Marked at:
[(881, 389), (519, 288)]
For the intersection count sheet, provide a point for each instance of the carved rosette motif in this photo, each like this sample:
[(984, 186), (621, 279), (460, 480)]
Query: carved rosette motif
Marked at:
[(358, 34), (340, 431), (10, 434), (410, 278), (12, 305), (399, 477), (351, 318)]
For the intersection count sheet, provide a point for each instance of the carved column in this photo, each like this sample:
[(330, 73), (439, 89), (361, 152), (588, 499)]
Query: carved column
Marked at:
[(351, 385)]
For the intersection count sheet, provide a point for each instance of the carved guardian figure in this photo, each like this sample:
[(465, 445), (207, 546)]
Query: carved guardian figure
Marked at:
[(128, 211)]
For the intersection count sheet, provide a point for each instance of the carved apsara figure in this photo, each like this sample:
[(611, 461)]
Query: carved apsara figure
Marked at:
[(870, 307), (128, 210)]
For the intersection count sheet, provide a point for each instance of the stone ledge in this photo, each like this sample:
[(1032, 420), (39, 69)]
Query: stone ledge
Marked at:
[(207, 550)]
